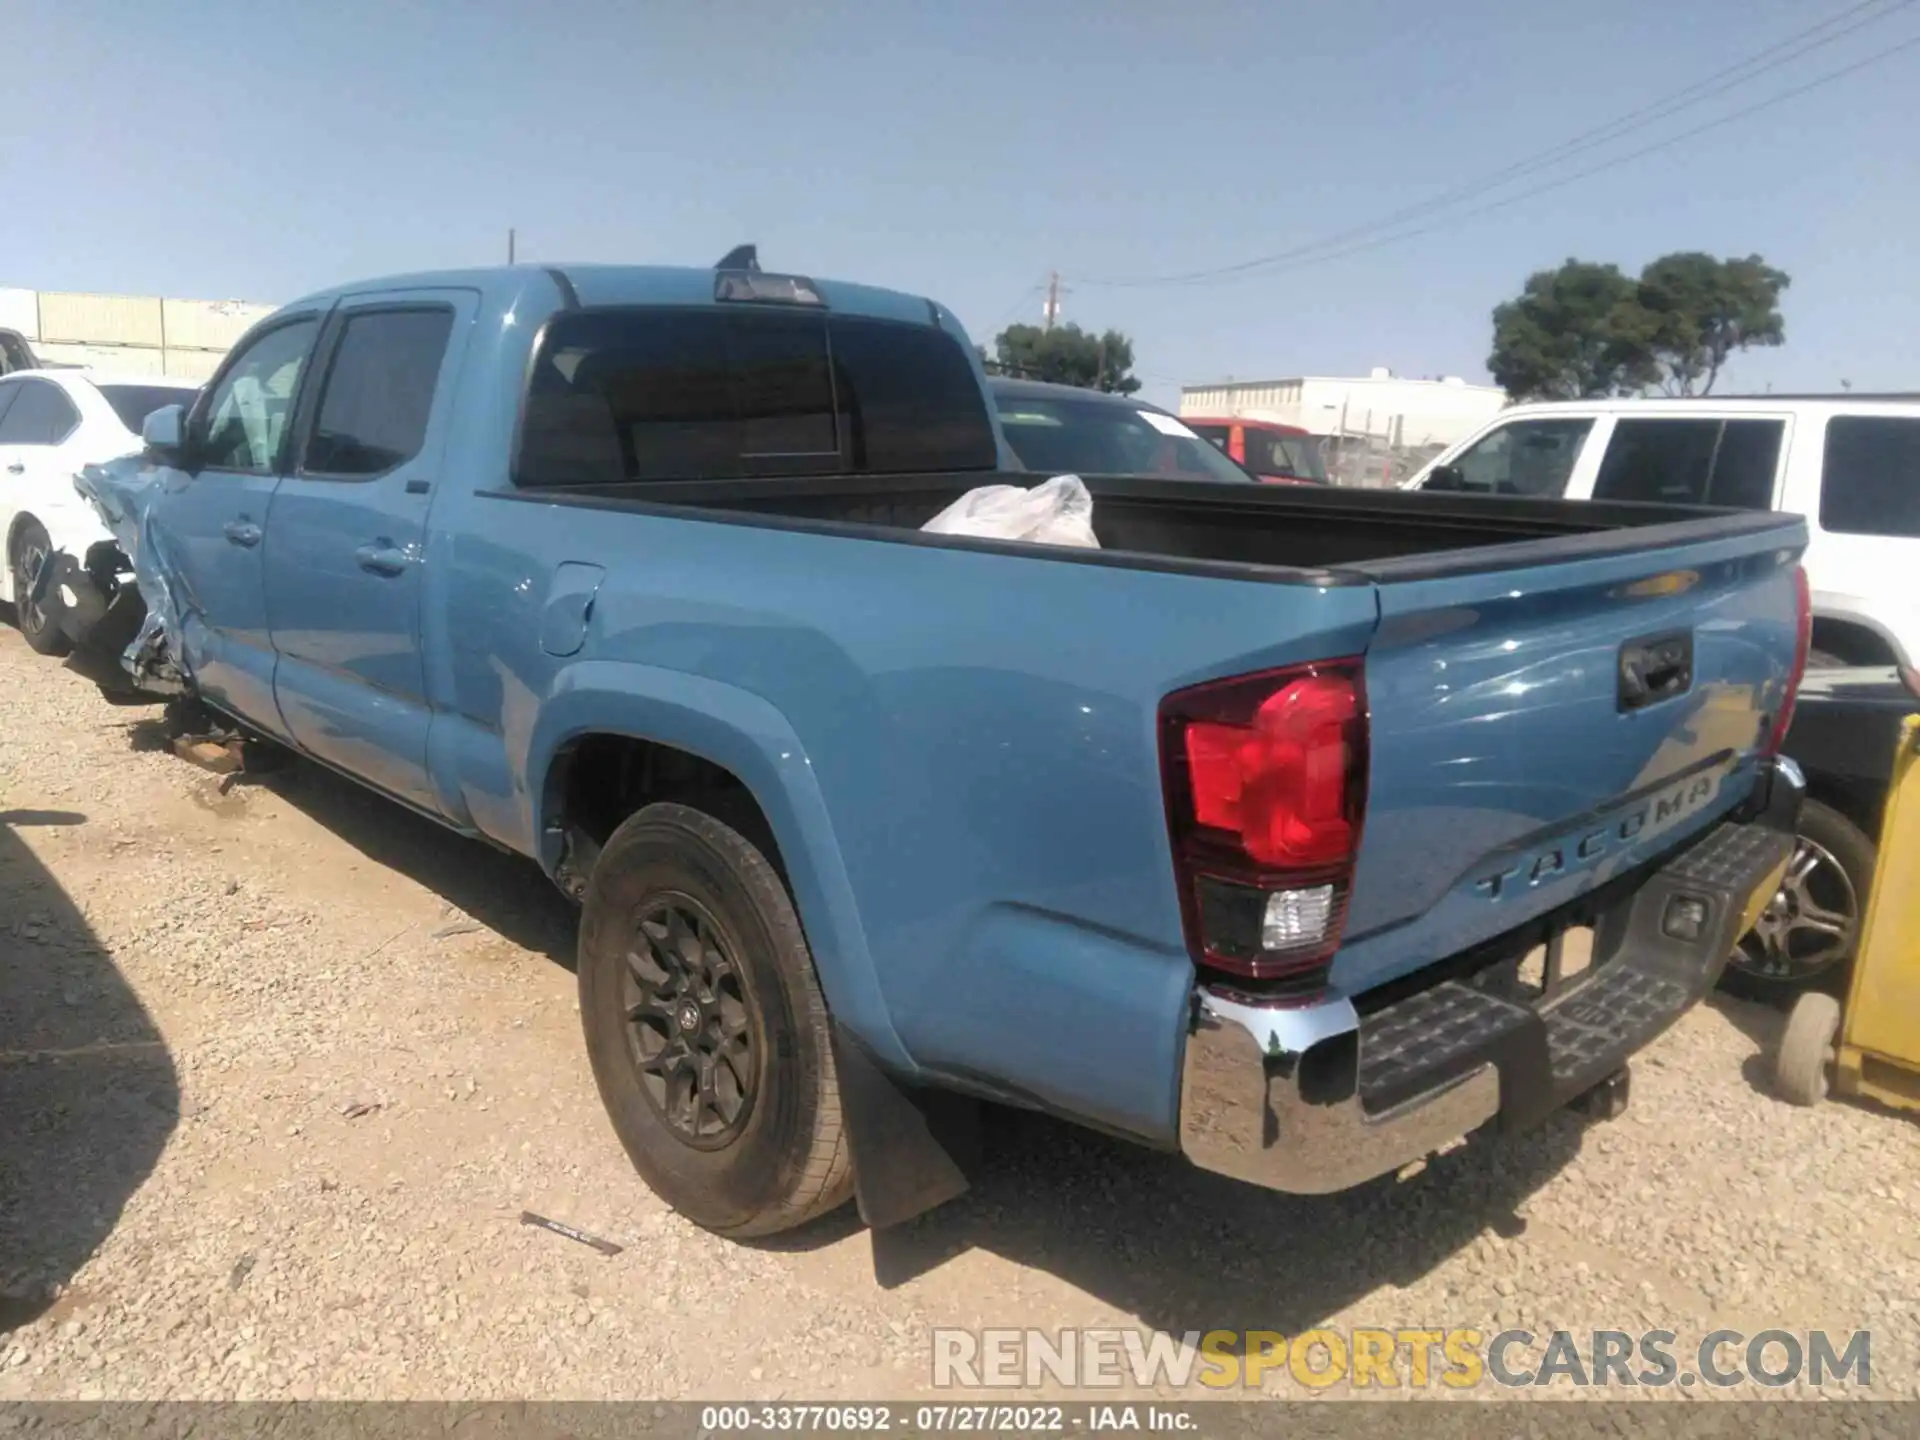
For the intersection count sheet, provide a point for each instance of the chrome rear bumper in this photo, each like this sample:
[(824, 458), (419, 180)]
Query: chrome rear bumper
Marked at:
[(1316, 1098)]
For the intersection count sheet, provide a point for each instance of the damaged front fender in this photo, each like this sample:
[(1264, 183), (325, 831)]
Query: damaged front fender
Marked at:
[(122, 492)]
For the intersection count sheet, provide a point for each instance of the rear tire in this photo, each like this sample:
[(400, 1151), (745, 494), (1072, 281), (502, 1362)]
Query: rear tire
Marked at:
[(1806, 1049), (706, 1027), (39, 624)]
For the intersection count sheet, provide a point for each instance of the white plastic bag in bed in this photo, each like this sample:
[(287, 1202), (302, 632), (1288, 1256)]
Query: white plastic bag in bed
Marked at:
[(1059, 512)]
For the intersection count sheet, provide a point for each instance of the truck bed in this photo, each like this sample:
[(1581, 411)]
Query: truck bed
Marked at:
[(1291, 534)]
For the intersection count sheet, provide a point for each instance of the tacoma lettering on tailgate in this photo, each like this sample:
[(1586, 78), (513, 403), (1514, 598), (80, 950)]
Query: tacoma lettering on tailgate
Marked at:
[(1643, 820)]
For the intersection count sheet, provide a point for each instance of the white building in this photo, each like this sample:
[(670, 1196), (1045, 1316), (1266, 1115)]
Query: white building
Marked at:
[(1381, 406), (132, 334)]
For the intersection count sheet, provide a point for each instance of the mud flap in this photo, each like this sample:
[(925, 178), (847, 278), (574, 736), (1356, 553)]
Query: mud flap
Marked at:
[(908, 1144)]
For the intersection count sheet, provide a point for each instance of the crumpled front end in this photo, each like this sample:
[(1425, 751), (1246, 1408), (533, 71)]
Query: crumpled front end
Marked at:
[(122, 493)]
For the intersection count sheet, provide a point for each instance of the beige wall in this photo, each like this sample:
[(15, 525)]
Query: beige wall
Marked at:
[(134, 334)]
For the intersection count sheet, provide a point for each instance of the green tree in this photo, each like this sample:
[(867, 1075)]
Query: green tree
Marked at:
[(1696, 311), (1068, 355), (1584, 329), (1572, 333)]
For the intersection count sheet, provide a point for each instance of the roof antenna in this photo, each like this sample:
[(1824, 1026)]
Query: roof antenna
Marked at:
[(741, 257)]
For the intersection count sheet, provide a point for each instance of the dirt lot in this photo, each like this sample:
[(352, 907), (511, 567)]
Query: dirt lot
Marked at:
[(280, 1066)]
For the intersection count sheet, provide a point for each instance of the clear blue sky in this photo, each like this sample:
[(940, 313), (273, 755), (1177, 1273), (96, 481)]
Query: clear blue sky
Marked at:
[(257, 150)]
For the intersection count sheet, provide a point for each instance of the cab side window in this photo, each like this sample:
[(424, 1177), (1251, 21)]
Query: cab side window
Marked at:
[(1528, 457), (379, 392), (244, 420)]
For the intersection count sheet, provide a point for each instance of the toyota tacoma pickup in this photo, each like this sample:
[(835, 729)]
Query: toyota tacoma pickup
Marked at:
[(1259, 832)]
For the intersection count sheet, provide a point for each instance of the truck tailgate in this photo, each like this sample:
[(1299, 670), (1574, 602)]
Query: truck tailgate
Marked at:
[(1536, 731)]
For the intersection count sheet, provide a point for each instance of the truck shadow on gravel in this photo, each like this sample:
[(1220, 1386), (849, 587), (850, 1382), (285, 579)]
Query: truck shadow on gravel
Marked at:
[(1182, 1249), (506, 893), (88, 1093), (1146, 1232)]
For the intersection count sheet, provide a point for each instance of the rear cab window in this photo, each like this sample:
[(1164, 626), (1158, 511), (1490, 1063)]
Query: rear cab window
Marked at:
[(643, 394), (1870, 476)]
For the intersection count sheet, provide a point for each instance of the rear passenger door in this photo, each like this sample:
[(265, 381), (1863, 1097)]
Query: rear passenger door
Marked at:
[(346, 537), (1694, 460)]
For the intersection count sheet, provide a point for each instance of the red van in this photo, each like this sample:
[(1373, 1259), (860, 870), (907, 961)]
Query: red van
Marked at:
[(1278, 454)]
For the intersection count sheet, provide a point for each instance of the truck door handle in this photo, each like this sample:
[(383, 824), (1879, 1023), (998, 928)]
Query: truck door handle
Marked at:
[(382, 557), (1655, 668), (17, 468), (242, 532)]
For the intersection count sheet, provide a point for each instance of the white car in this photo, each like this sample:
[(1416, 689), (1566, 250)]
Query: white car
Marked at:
[(1849, 463), (53, 422)]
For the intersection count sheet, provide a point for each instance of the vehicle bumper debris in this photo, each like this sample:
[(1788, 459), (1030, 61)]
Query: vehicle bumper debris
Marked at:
[(122, 494)]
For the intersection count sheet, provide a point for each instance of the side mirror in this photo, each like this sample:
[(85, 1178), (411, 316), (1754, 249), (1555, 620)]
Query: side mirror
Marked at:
[(1444, 477), (164, 433)]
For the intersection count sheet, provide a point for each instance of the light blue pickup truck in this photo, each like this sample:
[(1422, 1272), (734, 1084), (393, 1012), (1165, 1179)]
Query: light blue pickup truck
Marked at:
[(1258, 832)]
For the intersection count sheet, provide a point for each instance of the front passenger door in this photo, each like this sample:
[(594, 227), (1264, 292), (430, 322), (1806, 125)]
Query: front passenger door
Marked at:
[(211, 519)]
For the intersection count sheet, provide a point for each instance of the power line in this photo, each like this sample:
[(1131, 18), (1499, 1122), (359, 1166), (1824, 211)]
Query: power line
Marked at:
[(1007, 315), (1784, 52), (1579, 175)]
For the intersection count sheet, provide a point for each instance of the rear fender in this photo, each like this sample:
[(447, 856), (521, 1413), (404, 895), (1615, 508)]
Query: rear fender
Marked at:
[(745, 735)]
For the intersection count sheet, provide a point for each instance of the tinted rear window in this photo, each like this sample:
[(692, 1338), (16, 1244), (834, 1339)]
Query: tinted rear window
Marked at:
[(911, 399), (40, 415), (1293, 455), (1871, 479), (14, 353), (717, 394), (133, 403), (1692, 462)]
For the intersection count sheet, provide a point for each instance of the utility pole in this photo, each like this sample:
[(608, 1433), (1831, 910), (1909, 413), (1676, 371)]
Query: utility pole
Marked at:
[(510, 247), (1053, 300)]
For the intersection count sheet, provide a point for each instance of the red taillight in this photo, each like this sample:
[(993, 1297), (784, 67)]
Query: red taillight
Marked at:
[(1266, 785), (1280, 784), (1802, 642)]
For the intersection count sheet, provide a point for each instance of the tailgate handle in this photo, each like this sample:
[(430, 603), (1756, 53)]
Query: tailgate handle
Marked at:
[(1655, 668)]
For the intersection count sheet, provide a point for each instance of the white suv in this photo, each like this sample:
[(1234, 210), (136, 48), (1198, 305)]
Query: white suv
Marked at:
[(1850, 464)]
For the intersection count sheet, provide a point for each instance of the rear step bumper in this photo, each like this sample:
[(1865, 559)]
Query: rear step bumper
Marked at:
[(1316, 1098)]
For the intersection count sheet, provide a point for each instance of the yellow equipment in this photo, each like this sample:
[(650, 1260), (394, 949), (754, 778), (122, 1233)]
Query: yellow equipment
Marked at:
[(1876, 1051)]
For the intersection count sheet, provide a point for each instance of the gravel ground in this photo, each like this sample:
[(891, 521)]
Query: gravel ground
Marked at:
[(281, 1065)]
